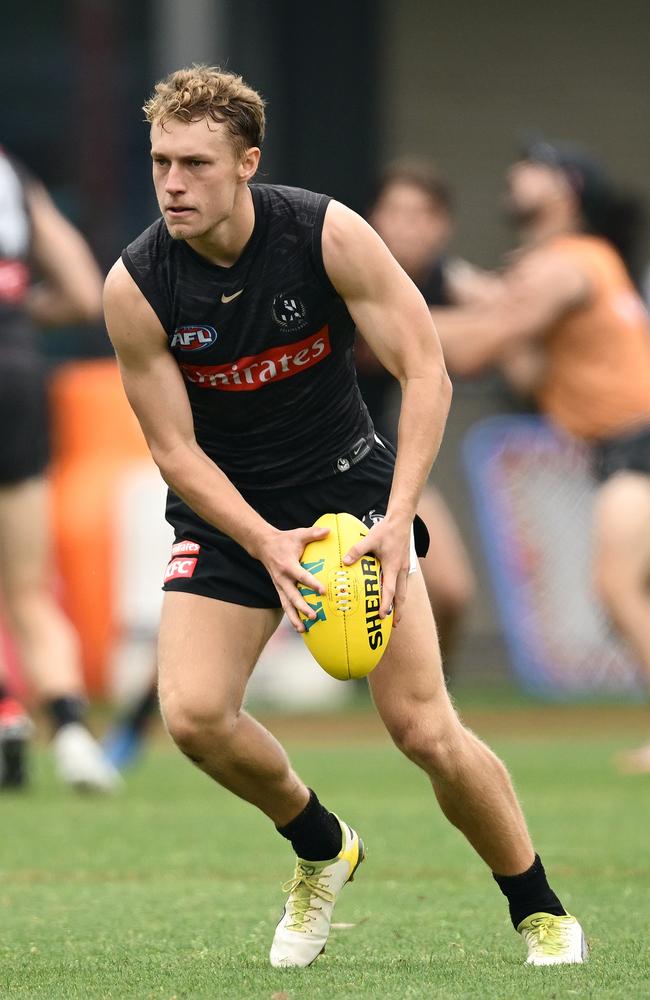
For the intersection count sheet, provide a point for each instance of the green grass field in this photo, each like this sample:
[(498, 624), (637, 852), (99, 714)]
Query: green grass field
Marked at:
[(172, 889)]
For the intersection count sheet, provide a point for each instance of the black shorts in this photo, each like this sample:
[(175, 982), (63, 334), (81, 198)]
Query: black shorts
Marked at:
[(24, 418), (205, 561), (627, 453)]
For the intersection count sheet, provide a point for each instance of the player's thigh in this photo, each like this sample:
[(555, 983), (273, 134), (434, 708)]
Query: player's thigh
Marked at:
[(621, 529), (25, 536), (447, 569), (408, 683), (207, 650)]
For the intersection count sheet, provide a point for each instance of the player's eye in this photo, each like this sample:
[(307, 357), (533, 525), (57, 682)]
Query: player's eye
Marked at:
[(197, 163)]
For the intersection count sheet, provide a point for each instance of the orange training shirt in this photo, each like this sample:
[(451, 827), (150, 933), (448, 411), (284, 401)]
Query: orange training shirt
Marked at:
[(597, 378)]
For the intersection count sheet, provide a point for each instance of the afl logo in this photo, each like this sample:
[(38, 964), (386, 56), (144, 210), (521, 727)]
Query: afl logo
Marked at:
[(193, 338), (289, 312)]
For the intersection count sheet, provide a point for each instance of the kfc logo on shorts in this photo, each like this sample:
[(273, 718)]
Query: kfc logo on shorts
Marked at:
[(186, 548), (194, 338), (180, 568), (289, 312)]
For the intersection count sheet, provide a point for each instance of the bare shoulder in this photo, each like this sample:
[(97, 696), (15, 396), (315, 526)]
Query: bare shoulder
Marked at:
[(120, 288), (340, 224), (353, 253), (130, 320)]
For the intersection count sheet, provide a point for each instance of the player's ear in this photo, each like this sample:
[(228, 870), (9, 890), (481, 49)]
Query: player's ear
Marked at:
[(249, 163)]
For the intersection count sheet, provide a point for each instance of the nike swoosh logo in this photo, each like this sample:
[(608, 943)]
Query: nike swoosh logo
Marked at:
[(229, 298)]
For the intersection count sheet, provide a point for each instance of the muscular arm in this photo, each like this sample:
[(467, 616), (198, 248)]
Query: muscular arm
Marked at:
[(393, 318), (534, 294), (71, 289), (156, 391)]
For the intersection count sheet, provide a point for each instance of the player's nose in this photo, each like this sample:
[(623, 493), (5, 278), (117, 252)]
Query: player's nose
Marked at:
[(174, 182)]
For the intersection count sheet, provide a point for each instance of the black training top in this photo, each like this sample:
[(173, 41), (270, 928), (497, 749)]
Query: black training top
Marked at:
[(265, 346)]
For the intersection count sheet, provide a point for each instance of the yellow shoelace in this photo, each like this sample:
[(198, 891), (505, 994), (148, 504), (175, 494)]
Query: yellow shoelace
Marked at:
[(304, 888), (548, 935)]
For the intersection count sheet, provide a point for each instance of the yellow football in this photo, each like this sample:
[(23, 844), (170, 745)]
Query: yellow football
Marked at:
[(347, 637)]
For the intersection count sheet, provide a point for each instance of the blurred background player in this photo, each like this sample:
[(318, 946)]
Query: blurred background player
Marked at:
[(34, 233), (413, 213), (571, 327)]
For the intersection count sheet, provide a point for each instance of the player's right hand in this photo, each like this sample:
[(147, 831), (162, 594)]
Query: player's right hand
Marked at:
[(280, 553)]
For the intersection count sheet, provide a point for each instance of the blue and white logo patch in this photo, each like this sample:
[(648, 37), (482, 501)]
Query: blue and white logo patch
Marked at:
[(193, 338)]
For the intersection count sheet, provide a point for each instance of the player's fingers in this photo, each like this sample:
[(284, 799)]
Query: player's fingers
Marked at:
[(296, 599), (292, 603), (292, 614), (312, 534), (358, 549), (400, 595), (387, 593), (310, 583)]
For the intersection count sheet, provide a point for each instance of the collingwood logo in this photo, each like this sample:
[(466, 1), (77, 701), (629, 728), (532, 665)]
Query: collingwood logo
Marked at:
[(289, 312)]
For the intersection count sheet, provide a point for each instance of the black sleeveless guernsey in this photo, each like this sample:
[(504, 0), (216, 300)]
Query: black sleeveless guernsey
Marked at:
[(265, 346)]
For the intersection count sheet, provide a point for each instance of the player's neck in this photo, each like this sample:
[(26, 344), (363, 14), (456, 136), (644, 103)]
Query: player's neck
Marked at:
[(225, 242)]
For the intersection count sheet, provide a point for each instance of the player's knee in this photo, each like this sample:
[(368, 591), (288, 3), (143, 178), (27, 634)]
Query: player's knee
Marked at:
[(432, 743), (196, 727)]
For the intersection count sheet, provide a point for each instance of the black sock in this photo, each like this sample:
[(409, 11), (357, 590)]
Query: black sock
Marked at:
[(63, 711), (141, 713), (529, 893), (315, 833)]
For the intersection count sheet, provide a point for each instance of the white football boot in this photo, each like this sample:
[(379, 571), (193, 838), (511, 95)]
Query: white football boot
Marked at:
[(553, 940), (302, 933), (81, 762)]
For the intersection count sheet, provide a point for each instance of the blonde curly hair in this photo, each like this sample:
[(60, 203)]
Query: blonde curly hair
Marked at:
[(199, 92)]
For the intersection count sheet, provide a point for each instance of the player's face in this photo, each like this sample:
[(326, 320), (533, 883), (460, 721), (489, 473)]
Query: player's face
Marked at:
[(534, 189), (196, 173), (412, 224)]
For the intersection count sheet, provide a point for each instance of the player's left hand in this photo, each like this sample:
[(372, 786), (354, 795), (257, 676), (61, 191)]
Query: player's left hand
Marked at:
[(390, 541)]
